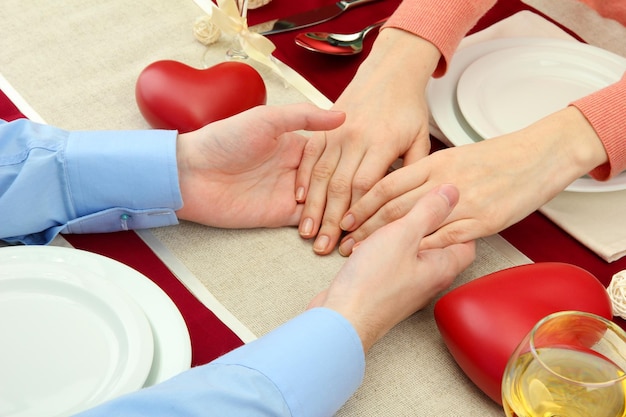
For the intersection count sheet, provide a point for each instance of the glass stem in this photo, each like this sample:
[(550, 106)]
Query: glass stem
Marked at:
[(236, 50)]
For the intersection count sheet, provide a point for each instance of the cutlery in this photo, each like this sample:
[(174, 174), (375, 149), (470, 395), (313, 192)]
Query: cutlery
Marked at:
[(336, 43), (308, 18)]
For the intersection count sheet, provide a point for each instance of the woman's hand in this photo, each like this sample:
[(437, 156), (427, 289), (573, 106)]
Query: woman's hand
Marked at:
[(387, 118), (501, 180)]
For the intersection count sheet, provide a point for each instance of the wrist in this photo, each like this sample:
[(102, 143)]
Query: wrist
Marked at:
[(369, 326), (563, 145), (186, 159), (578, 141), (368, 333), (403, 55)]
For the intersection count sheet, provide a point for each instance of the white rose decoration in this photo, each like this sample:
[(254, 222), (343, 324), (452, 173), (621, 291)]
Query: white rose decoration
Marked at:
[(617, 293), (205, 31)]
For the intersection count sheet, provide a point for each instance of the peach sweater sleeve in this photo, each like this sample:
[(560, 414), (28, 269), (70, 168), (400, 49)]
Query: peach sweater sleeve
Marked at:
[(606, 111), (611, 9), (442, 22)]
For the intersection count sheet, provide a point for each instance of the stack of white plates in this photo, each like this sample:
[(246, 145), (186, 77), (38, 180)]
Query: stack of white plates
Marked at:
[(500, 86), (78, 329)]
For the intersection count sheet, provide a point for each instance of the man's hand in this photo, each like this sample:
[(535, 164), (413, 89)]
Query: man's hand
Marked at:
[(240, 172), (387, 278)]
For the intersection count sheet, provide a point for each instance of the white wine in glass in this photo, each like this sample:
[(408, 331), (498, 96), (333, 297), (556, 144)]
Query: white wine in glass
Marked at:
[(571, 364)]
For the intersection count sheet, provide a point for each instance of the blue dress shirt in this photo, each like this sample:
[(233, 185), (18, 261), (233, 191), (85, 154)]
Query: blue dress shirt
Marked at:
[(54, 181)]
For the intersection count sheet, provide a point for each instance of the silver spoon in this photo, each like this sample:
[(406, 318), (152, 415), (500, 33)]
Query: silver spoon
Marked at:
[(336, 43)]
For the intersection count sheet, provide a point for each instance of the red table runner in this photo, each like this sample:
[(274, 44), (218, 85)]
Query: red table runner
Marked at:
[(210, 337), (8, 110)]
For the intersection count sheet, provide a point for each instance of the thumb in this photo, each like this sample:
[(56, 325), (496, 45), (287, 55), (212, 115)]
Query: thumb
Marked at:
[(303, 116), (450, 234), (428, 214)]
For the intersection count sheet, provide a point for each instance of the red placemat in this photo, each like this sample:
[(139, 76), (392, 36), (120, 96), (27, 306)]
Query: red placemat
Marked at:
[(210, 337), (8, 110), (329, 74)]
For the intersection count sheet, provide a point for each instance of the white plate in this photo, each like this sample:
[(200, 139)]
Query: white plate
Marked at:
[(172, 343), (70, 339), (509, 89), (172, 346), (442, 100)]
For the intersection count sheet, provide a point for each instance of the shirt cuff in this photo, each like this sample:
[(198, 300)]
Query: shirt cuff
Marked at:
[(122, 180), (316, 360)]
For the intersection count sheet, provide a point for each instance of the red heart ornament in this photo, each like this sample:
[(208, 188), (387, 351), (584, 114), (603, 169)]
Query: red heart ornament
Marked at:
[(172, 95), (483, 321)]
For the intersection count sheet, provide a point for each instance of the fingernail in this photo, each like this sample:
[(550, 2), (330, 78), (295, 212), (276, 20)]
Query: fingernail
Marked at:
[(448, 192), (347, 222), (345, 249), (300, 194), (306, 227), (321, 243)]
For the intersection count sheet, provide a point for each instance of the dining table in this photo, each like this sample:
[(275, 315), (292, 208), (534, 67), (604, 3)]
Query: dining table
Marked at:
[(74, 64)]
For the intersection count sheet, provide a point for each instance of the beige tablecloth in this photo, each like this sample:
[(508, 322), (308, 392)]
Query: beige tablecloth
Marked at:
[(76, 62)]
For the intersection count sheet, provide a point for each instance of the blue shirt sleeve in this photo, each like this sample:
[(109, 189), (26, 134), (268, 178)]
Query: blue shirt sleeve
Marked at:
[(54, 181), (308, 367)]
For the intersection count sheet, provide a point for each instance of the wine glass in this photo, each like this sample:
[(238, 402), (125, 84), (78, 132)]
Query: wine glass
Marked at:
[(571, 364), (236, 51)]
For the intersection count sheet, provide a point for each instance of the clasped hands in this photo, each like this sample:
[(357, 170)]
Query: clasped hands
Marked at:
[(240, 172), (412, 232)]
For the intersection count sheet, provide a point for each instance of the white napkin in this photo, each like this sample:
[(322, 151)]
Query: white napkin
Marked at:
[(594, 219)]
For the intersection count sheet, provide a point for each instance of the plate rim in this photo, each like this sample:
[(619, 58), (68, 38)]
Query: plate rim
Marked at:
[(72, 285), (441, 98), (166, 320), (589, 58)]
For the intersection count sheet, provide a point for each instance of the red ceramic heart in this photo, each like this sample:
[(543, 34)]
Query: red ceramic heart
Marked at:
[(483, 321), (172, 95)]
